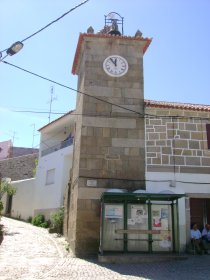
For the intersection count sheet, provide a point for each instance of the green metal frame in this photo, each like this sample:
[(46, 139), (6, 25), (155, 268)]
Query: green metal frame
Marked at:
[(148, 198)]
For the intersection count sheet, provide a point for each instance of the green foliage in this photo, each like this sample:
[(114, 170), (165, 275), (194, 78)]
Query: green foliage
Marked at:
[(1, 207), (5, 187), (57, 220), (57, 217), (39, 221), (45, 224), (35, 167)]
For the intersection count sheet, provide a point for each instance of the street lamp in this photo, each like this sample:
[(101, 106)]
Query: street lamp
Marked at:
[(15, 48)]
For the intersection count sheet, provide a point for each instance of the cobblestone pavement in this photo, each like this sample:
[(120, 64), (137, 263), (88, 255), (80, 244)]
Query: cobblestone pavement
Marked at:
[(30, 253)]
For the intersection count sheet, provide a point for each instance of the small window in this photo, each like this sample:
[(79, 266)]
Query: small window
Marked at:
[(50, 177), (208, 134)]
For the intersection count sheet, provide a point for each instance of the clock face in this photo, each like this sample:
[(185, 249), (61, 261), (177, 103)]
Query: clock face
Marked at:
[(115, 65)]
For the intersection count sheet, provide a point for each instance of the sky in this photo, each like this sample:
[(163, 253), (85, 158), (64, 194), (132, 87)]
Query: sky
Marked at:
[(176, 65)]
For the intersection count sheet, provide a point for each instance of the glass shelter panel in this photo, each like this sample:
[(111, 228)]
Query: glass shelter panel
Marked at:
[(137, 225), (162, 223), (113, 221)]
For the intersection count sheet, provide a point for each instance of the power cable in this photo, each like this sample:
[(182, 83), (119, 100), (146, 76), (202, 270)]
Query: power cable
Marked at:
[(147, 180), (102, 100), (52, 22), (38, 112), (75, 90)]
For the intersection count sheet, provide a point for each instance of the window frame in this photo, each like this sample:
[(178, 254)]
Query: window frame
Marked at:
[(50, 177), (208, 135)]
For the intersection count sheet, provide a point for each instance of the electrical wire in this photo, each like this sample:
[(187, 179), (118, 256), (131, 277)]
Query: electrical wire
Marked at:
[(38, 112), (52, 22), (62, 113), (72, 89), (96, 115), (147, 180), (105, 101)]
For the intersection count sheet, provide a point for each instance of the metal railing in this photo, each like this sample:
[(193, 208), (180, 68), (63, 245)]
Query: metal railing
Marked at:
[(58, 146)]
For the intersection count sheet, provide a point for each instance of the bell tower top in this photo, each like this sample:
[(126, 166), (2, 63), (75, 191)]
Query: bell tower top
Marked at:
[(113, 33), (115, 20)]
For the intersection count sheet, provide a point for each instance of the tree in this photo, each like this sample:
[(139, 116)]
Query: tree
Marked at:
[(5, 187)]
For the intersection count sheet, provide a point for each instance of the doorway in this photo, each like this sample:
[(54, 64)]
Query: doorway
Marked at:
[(8, 205), (199, 211)]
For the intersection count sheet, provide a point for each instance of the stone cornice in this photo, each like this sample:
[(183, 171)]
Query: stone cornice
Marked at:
[(100, 35)]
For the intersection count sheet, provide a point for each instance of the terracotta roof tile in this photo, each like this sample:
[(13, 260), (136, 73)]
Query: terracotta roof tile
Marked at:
[(101, 35), (177, 105)]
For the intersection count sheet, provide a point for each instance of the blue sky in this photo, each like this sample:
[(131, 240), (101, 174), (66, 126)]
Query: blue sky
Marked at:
[(176, 65)]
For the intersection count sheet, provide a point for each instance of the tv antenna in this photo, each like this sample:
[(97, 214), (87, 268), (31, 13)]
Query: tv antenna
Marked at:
[(52, 98)]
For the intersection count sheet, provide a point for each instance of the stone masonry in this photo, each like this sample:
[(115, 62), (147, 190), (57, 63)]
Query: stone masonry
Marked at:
[(176, 139), (18, 168), (109, 148)]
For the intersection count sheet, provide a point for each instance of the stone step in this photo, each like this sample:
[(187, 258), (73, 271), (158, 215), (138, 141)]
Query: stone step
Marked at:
[(139, 258)]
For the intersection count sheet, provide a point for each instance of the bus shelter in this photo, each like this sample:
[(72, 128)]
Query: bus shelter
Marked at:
[(139, 222)]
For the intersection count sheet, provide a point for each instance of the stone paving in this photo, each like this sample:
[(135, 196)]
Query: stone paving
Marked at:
[(30, 253)]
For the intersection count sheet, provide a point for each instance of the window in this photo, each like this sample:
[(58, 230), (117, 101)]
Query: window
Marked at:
[(208, 134), (50, 177)]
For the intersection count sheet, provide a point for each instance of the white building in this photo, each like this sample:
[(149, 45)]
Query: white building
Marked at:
[(44, 194)]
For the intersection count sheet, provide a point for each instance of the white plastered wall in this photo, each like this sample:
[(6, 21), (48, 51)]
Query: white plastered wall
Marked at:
[(23, 200), (51, 196)]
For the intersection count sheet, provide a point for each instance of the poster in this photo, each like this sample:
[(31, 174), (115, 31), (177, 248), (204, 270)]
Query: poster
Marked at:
[(138, 214), (164, 213), (156, 219), (114, 211), (131, 222), (165, 239)]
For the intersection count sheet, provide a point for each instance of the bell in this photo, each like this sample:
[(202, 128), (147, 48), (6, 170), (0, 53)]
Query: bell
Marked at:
[(114, 28)]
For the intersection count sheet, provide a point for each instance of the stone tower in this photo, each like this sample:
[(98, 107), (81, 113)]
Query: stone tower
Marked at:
[(109, 147)]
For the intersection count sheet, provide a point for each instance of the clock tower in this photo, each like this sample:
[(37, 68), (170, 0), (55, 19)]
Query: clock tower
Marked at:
[(109, 144)]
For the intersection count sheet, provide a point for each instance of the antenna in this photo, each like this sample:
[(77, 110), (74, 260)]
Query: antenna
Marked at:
[(33, 124), (52, 98), (14, 137), (13, 140)]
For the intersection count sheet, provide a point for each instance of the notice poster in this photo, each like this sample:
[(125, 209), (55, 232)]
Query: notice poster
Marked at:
[(164, 213), (114, 211), (164, 218), (138, 214), (165, 239), (156, 219)]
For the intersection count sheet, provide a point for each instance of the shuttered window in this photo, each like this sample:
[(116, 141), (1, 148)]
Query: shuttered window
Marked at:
[(50, 177), (208, 134)]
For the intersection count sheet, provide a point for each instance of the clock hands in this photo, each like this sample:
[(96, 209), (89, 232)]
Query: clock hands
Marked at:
[(114, 61), (115, 66)]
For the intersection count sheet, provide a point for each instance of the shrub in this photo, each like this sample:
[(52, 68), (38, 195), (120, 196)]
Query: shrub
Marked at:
[(1, 207), (44, 224), (39, 221), (57, 220), (5, 187)]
